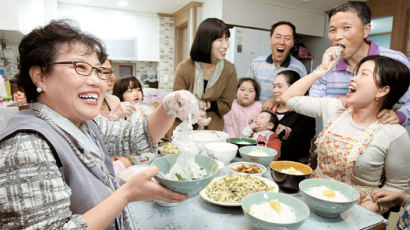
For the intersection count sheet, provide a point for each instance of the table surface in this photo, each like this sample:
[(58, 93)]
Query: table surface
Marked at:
[(196, 213)]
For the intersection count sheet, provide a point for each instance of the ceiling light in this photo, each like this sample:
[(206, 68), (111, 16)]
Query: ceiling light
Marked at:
[(122, 3)]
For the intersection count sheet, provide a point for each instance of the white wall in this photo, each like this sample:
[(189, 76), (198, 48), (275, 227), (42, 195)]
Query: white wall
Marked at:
[(262, 14), (211, 9), (117, 25), (8, 15), (317, 46)]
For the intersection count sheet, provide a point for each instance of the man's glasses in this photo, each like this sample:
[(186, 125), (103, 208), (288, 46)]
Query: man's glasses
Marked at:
[(85, 69)]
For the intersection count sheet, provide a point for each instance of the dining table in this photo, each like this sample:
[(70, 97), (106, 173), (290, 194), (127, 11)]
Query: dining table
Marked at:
[(196, 213)]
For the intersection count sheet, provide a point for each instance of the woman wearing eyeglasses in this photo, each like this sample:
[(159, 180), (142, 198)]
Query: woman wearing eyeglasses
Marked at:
[(55, 158)]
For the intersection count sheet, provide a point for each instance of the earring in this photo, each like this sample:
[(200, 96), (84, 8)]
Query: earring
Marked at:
[(39, 89), (377, 98)]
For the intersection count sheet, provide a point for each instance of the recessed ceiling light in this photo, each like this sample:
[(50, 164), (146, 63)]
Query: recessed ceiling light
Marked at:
[(122, 3)]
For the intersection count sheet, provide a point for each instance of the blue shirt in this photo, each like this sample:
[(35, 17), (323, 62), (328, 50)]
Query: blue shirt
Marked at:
[(264, 72), (336, 82)]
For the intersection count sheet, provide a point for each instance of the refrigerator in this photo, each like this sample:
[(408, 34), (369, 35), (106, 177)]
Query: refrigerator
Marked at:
[(245, 45)]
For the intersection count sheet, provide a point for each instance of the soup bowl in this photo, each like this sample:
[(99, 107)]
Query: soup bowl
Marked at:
[(288, 174)]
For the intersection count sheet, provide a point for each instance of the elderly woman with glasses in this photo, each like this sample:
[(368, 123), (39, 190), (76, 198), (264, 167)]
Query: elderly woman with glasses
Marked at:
[(55, 158)]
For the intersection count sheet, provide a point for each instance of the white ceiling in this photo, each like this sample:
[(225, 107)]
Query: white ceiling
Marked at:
[(170, 6)]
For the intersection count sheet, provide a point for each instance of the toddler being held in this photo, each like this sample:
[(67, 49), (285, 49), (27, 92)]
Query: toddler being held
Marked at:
[(261, 130)]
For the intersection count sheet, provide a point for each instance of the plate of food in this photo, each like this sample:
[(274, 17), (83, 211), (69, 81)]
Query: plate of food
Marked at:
[(168, 148), (229, 190)]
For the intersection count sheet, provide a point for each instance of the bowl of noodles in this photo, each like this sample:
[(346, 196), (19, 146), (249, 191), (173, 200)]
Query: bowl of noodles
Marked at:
[(270, 210), (327, 197), (189, 180)]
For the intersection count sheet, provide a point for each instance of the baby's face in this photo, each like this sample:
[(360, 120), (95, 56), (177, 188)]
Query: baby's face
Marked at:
[(263, 120)]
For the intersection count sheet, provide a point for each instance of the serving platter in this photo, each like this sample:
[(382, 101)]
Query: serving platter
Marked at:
[(227, 204)]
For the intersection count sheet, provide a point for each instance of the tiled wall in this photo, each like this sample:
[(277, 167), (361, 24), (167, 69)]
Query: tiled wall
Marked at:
[(146, 69), (166, 55), (8, 59)]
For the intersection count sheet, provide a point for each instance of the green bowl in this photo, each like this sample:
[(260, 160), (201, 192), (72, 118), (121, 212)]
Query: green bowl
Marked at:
[(263, 160), (242, 141), (189, 187), (301, 210), (327, 208)]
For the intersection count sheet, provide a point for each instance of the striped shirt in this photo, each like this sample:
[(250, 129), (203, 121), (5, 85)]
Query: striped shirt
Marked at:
[(336, 83), (264, 72)]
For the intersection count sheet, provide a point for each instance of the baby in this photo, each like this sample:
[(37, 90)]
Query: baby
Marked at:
[(261, 130)]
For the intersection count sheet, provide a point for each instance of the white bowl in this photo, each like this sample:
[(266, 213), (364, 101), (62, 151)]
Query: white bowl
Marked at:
[(222, 151), (130, 172), (203, 137), (236, 164)]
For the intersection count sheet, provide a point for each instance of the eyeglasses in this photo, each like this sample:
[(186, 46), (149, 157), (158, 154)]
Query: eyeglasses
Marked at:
[(85, 69)]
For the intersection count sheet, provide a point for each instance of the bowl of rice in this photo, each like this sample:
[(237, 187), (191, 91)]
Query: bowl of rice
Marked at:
[(288, 174), (241, 142), (327, 197), (189, 180), (258, 154), (269, 210)]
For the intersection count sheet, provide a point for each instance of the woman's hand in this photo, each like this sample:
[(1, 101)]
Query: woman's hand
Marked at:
[(125, 109), (268, 104), (382, 196), (182, 104), (388, 116), (372, 206), (203, 119), (329, 60), (141, 187), (124, 160)]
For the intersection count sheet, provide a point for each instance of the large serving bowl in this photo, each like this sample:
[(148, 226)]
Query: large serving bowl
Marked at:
[(222, 151), (241, 142), (324, 207), (288, 181), (300, 208), (189, 187), (263, 156)]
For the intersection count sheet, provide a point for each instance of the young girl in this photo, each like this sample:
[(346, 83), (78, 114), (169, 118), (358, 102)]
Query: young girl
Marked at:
[(294, 130), (129, 89), (245, 107), (261, 130)]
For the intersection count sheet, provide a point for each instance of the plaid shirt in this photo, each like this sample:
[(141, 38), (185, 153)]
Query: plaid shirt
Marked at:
[(33, 193), (336, 83)]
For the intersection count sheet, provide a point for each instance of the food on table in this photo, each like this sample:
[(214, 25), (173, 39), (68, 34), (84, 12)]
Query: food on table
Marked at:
[(169, 148), (258, 152), (185, 168), (232, 188), (273, 211), (292, 171), (243, 143), (247, 168), (325, 193)]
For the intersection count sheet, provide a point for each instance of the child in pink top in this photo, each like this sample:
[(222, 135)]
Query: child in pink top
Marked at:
[(245, 108)]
